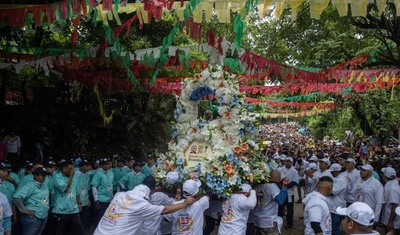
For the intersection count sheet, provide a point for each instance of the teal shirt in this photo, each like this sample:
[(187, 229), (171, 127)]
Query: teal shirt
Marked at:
[(66, 202), (7, 189), (21, 173), (15, 177), (146, 170), (35, 198), (132, 179), (49, 182), (103, 182), (83, 181), (376, 175), (119, 173), (27, 178)]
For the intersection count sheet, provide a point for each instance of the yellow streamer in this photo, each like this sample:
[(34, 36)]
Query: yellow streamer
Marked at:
[(198, 14), (106, 120), (359, 8), (317, 7), (279, 7), (208, 8), (294, 4), (222, 10), (263, 6), (342, 7)]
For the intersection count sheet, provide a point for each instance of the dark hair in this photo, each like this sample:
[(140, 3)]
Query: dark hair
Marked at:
[(326, 179), (150, 182)]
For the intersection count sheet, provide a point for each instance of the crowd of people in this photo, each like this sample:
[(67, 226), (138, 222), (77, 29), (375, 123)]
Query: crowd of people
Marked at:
[(347, 186)]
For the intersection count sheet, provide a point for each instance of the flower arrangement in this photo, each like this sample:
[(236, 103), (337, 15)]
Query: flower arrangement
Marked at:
[(232, 135)]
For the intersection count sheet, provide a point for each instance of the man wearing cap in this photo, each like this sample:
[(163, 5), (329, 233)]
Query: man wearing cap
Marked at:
[(300, 166), (370, 191), (358, 219), (290, 174), (266, 220), (324, 164), (148, 169), (132, 179), (128, 210), (317, 218), (235, 211), (66, 216), (153, 226), (352, 175), (190, 220), (392, 199), (5, 217), (102, 189), (29, 176), (119, 172), (82, 178), (6, 187), (336, 199), (32, 200), (310, 183), (276, 160)]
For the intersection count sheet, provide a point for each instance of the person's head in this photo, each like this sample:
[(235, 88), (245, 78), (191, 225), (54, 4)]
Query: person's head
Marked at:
[(366, 171), (150, 161), (191, 188), (137, 167), (388, 174), (39, 174), (335, 169), (3, 168), (289, 162), (350, 164), (84, 166), (324, 164), (49, 166), (121, 162), (12, 134), (275, 176), (325, 185), (104, 164), (358, 218), (150, 182), (276, 158), (66, 167), (130, 162), (37, 165)]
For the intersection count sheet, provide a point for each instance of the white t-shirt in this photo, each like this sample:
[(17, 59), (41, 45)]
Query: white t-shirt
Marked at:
[(5, 211), (265, 213), (338, 193), (391, 195), (302, 167), (12, 143), (351, 178), (235, 213), (317, 210), (370, 192), (318, 174), (152, 226), (291, 175), (126, 214), (310, 185), (189, 220)]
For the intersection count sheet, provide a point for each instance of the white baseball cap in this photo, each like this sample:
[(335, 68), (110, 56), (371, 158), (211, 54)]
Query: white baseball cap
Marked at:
[(283, 157), (289, 159), (367, 167), (335, 167), (325, 160), (313, 158), (351, 160), (276, 156), (312, 166), (398, 210), (389, 172), (191, 187), (141, 191), (172, 177), (358, 212), (246, 187)]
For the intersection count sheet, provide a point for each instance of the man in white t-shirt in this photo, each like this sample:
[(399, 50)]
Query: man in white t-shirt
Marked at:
[(392, 199), (128, 210), (190, 220), (235, 211), (290, 174), (336, 199), (323, 164), (370, 191), (153, 226), (358, 219), (310, 183), (266, 220), (317, 218), (352, 175), (300, 166)]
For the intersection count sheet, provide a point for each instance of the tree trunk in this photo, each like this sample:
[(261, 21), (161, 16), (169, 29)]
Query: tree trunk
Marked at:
[(364, 124)]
